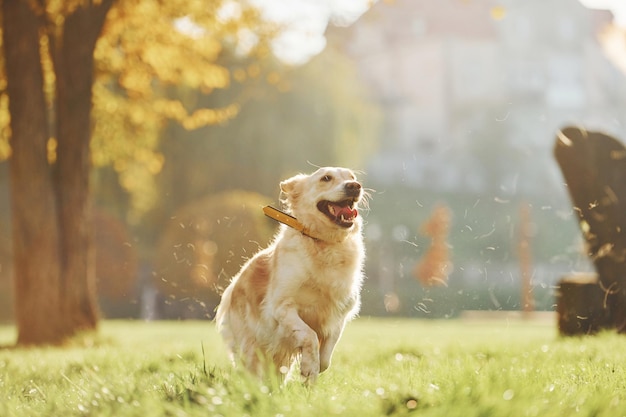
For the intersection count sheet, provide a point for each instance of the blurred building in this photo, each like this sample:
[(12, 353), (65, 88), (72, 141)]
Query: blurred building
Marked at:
[(473, 93), (479, 88)]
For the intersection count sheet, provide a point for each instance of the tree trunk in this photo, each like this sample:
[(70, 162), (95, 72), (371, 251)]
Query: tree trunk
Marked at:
[(33, 210), (54, 261), (581, 305), (73, 64), (594, 168)]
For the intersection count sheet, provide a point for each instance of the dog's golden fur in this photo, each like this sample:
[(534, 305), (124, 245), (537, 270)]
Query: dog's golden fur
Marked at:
[(294, 298)]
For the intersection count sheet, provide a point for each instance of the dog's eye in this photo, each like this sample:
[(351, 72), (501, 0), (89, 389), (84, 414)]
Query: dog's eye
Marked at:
[(326, 178)]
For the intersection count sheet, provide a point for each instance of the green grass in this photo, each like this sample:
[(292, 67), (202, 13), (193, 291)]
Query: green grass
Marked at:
[(381, 367)]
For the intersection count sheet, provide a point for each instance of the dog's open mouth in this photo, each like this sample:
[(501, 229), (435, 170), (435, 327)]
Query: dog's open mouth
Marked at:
[(341, 213)]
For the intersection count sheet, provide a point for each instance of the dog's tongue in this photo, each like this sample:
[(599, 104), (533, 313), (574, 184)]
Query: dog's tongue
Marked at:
[(346, 211)]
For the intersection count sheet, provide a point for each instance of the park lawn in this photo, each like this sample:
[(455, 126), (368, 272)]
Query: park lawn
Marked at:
[(381, 367)]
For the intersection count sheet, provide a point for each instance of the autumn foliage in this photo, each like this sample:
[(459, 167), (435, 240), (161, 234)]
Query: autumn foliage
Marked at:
[(435, 266), (126, 61)]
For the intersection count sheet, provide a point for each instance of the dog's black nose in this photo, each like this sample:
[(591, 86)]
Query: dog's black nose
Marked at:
[(353, 188)]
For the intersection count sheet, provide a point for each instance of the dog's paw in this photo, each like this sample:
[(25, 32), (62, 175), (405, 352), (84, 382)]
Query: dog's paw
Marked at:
[(309, 371)]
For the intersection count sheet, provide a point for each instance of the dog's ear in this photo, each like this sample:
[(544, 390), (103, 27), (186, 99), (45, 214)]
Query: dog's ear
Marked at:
[(286, 186), (290, 189), (289, 186)]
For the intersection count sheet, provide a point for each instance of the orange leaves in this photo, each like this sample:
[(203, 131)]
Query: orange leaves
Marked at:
[(137, 83), (203, 117), (5, 129), (435, 265), (51, 147), (174, 109), (58, 9), (145, 48), (149, 52)]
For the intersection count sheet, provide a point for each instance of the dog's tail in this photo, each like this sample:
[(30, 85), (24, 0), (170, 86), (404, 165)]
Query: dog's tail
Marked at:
[(222, 316)]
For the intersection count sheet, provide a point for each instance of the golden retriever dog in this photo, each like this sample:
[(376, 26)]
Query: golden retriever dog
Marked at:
[(292, 299)]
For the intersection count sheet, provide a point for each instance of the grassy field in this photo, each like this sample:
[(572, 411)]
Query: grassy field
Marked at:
[(381, 367)]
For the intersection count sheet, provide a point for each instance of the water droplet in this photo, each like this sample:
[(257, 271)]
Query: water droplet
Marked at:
[(508, 395)]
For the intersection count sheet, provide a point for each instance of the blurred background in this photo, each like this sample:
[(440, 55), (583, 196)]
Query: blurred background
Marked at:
[(449, 103)]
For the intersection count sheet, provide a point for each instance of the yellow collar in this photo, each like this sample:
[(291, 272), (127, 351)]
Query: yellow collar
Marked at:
[(290, 221)]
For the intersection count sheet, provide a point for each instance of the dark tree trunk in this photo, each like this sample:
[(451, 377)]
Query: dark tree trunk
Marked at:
[(34, 219), (594, 167), (54, 262), (581, 305), (74, 65)]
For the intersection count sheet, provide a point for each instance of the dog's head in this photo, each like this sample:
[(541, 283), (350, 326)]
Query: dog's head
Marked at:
[(325, 201)]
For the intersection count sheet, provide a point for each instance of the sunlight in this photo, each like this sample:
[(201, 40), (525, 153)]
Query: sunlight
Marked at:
[(305, 22), (617, 7)]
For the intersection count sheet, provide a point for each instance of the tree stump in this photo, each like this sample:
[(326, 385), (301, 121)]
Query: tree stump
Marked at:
[(581, 305), (594, 168)]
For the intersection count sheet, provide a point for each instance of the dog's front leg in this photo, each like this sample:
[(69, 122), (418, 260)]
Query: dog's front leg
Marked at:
[(301, 338)]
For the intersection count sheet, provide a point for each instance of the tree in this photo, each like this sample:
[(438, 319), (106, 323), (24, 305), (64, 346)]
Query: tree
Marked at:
[(50, 202), (143, 68), (49, 48)]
